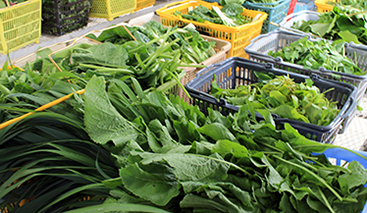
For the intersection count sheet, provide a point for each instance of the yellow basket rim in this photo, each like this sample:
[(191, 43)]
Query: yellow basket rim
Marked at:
[(321, 4), (262, 18)]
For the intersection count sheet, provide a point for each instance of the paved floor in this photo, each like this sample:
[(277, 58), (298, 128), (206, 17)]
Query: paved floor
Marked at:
[(356, 134)]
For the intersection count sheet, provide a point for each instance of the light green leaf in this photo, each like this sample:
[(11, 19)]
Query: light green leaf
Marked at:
[(217, 131), (154, 182), (348, 36), (103, 54), (190, 167), (103, 122)]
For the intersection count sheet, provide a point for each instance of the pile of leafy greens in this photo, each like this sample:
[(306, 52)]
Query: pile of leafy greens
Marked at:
[(225, 2), (169, 155), (192, 47), (319, 53), (359, 4), (150, 63), (228, 15), (282, 96), (343, 22)]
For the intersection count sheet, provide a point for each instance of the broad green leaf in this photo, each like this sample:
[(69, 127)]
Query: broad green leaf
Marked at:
[(154, 182), (190, 167), (106, 54), (224, 147), (286, 111), (357, 178), (320, 29), (103, 122), (217, 131), (348, 36)]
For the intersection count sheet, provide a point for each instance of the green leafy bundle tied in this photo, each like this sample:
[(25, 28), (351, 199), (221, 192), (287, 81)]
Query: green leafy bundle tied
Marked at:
[(320, 53), (284, 97)]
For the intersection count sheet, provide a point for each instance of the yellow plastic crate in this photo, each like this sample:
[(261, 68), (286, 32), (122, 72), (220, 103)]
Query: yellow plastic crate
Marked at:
[(140, 4), (322, 5), (239, 37), (110, 9), (20, 25)]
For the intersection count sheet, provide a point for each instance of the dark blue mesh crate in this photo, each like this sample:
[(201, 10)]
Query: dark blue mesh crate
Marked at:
[(239, 71)]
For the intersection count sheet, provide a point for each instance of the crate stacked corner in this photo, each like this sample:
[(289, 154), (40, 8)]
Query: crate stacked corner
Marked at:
[(60, 17)]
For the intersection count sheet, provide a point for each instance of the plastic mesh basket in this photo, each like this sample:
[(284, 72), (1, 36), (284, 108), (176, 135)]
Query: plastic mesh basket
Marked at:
[(20, 25), (276, 12), (111, 9), (238, 71), (276, 40), (239, 36), (62, 16)]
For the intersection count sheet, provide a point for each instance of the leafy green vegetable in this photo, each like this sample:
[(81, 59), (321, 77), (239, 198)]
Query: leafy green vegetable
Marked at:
[(343, 22), (284, 97), (319, 53), (247, 166), (193, 48), (229, 15)]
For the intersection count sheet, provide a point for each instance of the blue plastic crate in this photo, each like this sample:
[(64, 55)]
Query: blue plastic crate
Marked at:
[(304, 5), (276, 12), (341, 156)]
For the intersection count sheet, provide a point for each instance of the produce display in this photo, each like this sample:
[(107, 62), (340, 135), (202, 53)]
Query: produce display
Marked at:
[(343, 22), (229, 15), (192, 47), (282, 96), (151, 63), (124, 145), (318, 53), (168, 155)]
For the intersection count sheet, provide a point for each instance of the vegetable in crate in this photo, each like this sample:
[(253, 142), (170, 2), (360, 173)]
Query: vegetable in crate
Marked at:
[(343, 22), (282, 96), (229, 15), (225, 2), (359, 4), (319, 53), (193, 48)]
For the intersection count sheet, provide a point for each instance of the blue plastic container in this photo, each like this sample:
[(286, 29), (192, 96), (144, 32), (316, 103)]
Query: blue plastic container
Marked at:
[(276, 12), (304, 5)]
